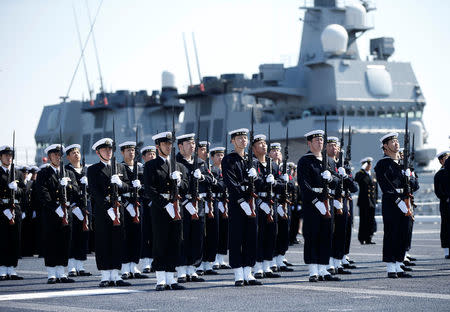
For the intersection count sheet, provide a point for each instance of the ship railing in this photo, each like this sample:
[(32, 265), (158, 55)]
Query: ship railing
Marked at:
[(369, 4)]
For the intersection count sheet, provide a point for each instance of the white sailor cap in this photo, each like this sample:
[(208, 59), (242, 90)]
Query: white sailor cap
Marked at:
[(241, 131), (366, 159), (105, 142), (69, 148), (314, 134), (258, 137), (127, 144), (34, 169), (333, 139), (275, 145), (6, 149), (185, 137), (148, 148), (442, 154), (54, 148), (203, 143), (219, 149), (44, 166), (162, 137), (385, 138)]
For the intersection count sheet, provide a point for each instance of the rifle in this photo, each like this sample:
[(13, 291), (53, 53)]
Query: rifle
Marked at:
[(225, 200), (63, 190), (12, 178), (407, 191), (270, 201), (84, 199), (340, 163), (325, 194), (285, 196), (251, 187), (209, 198), (174, 192), (195, 198), (134, 192), (115, 191)]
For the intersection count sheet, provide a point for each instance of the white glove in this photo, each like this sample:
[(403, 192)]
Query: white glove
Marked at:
[(34, 215), (264, 207), (198, 174), (170, 210), (285, 177), (206, 209), (280, 210), (176, 175), (116, 180), (111, 213), (326, 175), (28, 177), (136, 183), (321, 207), (59, 212), (246, 207), (299, 207), (407, 172), (64, 181), (252, 173), (23, 215), (402, 205), (342, 172), (337, 204), (13, 185), (221, 207), (8, 214), (84, 180), (130, 209), (270, 179), (190, 208), (77, 212)]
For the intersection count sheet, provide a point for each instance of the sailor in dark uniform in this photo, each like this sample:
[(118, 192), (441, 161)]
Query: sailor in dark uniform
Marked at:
[(11, 217), (296, 205), (316, 225), (27, 233), (52, 185), (242, 223), (108, 215), (167, 229), (367, 200), (441, 179), (131, 250), (80, 235), (392, 181), (148, 153)]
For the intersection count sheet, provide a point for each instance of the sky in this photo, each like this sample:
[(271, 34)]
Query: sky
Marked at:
[(138, 39)]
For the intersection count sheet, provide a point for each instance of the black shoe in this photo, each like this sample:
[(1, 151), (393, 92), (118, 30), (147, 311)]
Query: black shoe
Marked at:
[(188, 278), (126, 276), (146, 270), (411, 258), (239, 283), (66, 280), (351, 261), (271, 275), (447, 257), (404, 275), (139, 275), (349, 266), (409, 263), (329, 278), (342, 271), (177, 286), (313, 279), (51, 280), (104, 284), (200, 272), (405, 268), (285, 269), (16, 277), (121, 283), (197, 279), (83, 273), (73, 274), (362, 242), (160, 287), (287, 263), (392, 275), (274, 268), (216, 267), (252, 283), (211, 272), (182, 279), (224, 267), (370, 243), (259, 275), (332, 271)]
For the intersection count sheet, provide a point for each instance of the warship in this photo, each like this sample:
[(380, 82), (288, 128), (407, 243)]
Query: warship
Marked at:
[(372, 95)]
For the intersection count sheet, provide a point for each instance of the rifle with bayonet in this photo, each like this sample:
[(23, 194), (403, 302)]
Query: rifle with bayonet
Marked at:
[(84, 198), (251, 186), (225, 200), (209, 197), (270, 201), (115, 190), (63, 189), (195, 192), (340, 164), (325, 192), (174, 191), (12, 178), (284, 200), (134, 192), (407, 190)]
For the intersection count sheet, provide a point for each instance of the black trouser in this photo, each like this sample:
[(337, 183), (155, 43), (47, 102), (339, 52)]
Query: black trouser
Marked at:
[(317, 235), (366, 223), (131, 250), (79, 241), (266, 237), (147, 233), (211, 237), (192, 244), (445, 224), (395, 232), (282, 240), (296, 215), (349, 228), (10, 240), (340, 227), (223, 235)]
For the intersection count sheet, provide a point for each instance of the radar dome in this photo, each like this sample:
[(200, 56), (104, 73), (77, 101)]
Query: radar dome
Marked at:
[(168, 80), (355, 16), (334, 39)]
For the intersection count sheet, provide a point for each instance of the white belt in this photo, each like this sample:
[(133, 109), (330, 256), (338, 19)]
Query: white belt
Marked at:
[(165, 196), (127, 194), (317, 189), (216, 194), (108, 198), (6, 201), (200, 195), (332, 192), (400, 190), (265, 194), (244, 187)]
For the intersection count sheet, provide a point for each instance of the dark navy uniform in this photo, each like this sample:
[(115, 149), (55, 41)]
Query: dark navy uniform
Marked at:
[(441, 182), (367, 200)]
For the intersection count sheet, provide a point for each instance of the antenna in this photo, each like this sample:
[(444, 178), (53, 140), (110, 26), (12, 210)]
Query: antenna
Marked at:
[(187, 60), (202, 88)]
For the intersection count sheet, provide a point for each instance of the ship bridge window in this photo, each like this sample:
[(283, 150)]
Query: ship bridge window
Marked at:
[(189, 128), (205, 106), (350, 112), (86, 143), (418, 114), (99, 120), (217, 130), (361, 112)]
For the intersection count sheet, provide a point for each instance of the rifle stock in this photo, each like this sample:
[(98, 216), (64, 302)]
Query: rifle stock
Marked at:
[(174, 195), (84, 199), (325, 193), (62, 174), (115, 194), (270, 201), (251, 188), (12, 178), (135, 195)]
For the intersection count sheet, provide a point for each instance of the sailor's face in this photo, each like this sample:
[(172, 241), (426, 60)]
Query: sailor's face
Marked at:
[(260, 147), (202, 152), (165, 147), (217, 159), (240, 141), (105, 153), (148, 156), (74, 156), (128, 154), (369, 166), (6, 159), (187, 147), (55, 158), (332, 149), (316, 144), (393, 145), (275, 154), (443, 159)]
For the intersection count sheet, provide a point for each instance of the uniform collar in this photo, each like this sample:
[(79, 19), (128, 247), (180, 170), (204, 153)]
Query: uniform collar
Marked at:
[(6, 168), (106, 163)]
